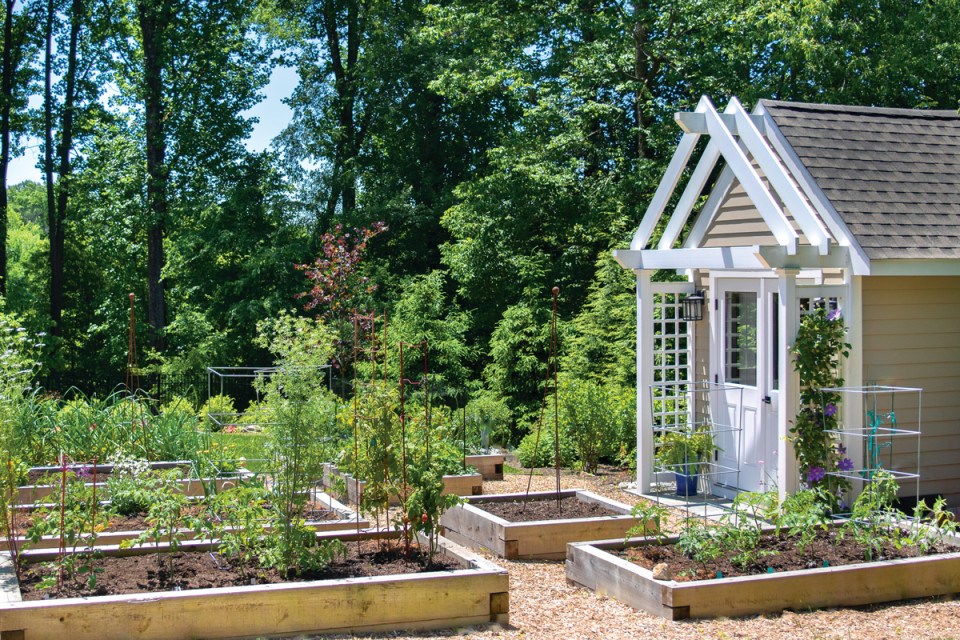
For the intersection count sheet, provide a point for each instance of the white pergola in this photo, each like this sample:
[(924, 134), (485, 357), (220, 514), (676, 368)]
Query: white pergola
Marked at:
[(808, 233)]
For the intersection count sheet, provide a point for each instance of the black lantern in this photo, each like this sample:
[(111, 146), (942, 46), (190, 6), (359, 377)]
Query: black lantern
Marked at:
[(693, 307)]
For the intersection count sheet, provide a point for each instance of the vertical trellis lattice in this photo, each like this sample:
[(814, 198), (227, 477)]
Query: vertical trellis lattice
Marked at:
[(673, 358)]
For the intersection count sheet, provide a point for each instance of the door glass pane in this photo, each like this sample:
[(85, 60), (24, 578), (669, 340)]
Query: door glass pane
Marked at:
[(740, 338)]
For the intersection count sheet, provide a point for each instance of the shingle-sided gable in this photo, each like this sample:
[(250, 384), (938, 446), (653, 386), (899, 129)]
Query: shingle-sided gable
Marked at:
[(893, 175)]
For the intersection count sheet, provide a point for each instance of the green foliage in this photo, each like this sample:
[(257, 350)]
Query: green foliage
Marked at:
[(646, 512), (817, 351), (598, 418), (118, 426), (237, 519), (426, 503), (299, 438), (530, 453), (684, 451), (166, 520), (77, 519), (489, 420), (130, 486), (377, 458), (217, 412), (424, 312)]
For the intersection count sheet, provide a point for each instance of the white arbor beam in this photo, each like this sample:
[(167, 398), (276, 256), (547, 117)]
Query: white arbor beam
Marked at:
[(645, 445), (667, 185), (769, 210), (694, 122), (788, 323), (690, 194), (811, 226)]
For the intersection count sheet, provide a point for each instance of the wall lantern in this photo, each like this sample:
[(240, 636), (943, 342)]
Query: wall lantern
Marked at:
[(693, 307)]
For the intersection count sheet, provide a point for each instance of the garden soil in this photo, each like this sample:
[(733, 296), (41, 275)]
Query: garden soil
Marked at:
[(544, 607), (545, 509), (202, 570)]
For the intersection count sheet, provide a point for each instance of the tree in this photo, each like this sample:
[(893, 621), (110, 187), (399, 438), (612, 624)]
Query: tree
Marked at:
[(15, 54), (189, 69)]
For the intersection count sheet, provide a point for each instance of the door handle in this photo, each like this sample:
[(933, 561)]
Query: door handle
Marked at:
[(767, 400)]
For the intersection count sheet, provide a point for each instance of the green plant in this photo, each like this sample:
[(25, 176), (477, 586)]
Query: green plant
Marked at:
[(165, 515), (236, 519), (700, 541), (817, 351), (129, 486), (489, 420), (593, 416), (684, 451), (645, 512), (531, 453), (426, 503), (872, 521), (217, 411), (76, 519), (299, 438)]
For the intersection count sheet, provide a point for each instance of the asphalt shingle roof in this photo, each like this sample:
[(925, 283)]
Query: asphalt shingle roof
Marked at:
[(893, 175)]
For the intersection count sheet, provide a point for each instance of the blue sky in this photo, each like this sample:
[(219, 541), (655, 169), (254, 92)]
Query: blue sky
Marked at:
[(272, 113)]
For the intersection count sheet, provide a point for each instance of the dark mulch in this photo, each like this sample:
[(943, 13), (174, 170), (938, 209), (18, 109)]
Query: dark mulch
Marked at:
[(202, 570), (545, 509), (781, 553)]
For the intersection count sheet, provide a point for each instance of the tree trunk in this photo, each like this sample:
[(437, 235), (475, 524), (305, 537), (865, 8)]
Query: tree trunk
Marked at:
[(6, 99), (58, 221), (154, 18)]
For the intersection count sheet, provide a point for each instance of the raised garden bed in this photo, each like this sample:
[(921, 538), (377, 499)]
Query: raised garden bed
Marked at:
[(489, 465), (599, 566), (192, 487), (339, 518), (475, 593), (344, 485), (470, 525)]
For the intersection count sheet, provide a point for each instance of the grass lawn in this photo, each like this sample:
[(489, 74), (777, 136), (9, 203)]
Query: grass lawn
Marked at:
[(244, 445)]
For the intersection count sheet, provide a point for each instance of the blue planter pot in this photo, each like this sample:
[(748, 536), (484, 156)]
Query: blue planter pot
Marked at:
[(687, 484)]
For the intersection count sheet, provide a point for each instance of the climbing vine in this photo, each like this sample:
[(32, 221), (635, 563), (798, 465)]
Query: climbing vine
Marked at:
[(817, 352)]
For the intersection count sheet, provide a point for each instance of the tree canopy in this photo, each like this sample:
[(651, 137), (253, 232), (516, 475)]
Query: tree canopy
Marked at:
[(503, 147)]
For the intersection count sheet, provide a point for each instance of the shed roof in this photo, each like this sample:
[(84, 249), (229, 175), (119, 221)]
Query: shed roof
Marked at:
[(893, 175)]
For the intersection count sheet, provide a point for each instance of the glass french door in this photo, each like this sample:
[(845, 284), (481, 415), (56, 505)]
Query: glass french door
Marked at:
[(744, 365)]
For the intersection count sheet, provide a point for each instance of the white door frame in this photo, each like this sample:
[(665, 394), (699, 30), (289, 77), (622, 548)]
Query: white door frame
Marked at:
[(758, 416)]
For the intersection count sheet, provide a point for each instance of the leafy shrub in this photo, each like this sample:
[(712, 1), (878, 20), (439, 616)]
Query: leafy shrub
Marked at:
[(543, 455), (489, 421), (595, 417), (178, 405), (216, 411)]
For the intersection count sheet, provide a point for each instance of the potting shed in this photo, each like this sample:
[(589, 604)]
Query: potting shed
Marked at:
[(852, 208)]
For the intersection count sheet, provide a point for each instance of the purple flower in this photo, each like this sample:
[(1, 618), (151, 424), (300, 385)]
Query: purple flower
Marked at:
[(842, 450), (845, 465), (834, 315), (815, 474), (830, 410)]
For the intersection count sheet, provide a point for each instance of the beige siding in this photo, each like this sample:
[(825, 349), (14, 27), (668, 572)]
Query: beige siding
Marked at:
[(911, 338), (737, 223)]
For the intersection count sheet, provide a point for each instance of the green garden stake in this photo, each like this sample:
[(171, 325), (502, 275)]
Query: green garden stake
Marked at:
[(769, 569), (826, 563), (719, 574)]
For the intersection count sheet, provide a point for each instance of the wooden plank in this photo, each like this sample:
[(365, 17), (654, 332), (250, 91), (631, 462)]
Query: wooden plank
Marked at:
[(542, 539), (608, 575), (589, 564), (469, 596), (490, 466)]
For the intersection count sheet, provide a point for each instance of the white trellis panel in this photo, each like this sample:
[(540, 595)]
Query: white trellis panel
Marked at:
[(673, 354)]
